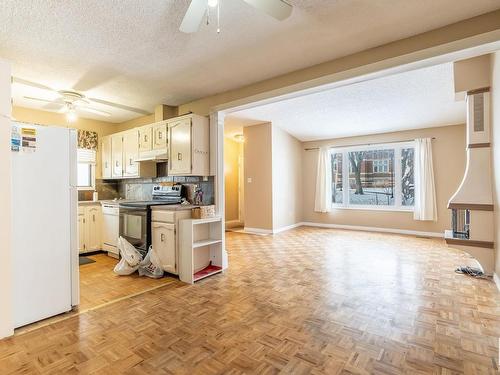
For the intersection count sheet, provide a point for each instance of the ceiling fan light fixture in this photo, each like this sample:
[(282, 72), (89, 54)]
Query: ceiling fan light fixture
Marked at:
[(71, 115), (213, 3)]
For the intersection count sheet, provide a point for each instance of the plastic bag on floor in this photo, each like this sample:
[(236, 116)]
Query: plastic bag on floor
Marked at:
[(150, 266), (130, 258), (129, 252)]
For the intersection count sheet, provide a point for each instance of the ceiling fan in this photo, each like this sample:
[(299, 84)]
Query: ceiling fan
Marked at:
[(278, 9), (72, 102)]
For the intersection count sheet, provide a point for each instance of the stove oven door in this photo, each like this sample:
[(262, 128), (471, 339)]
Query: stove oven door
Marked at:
[(134, 226)]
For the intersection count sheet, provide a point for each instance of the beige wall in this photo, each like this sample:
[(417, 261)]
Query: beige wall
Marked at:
[(139, 121), (426, 41), (287, 179), (5, 211), (232, 151), (495, 141), (258, 166), (51, 118), (449, 165)]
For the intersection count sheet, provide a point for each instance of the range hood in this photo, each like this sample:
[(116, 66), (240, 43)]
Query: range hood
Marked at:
[(156, 156)]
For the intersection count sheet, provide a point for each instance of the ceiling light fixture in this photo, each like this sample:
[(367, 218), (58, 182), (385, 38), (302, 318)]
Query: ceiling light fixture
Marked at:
[(239, 138), (71, 115), (213, 3)]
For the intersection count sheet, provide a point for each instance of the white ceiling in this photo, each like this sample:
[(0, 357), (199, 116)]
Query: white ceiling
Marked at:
[(131, 52), (416, 99)]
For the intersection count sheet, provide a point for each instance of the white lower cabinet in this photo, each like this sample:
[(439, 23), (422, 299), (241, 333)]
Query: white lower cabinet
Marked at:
[(165, 245), (89, 228)]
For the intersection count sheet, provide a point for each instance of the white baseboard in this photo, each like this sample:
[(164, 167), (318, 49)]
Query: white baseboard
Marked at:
[(233, 224), (258, 230), (496, 279), (288, 227), (374, 229)]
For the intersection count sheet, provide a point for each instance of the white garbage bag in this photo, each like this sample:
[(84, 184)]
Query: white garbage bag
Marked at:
[(150, 266), (130, 258), (129, 252)]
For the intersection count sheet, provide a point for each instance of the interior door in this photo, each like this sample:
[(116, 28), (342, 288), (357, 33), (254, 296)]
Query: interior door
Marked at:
[(106, 158), (160, 136), (164, 245), (145, 138), (117, 155), (131, 153), (180, 147)]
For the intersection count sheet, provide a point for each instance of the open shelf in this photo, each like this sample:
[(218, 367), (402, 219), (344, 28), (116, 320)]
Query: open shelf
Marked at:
[(205, 221), (206, 242), (207, 271)]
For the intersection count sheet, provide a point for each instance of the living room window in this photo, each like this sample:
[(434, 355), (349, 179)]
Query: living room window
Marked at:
[(375, 176)]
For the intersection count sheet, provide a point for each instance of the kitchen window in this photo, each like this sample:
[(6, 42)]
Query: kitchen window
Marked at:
[(374, 177), (86, 169)]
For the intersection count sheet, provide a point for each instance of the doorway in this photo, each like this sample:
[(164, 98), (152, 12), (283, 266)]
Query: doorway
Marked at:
[(233, 179)]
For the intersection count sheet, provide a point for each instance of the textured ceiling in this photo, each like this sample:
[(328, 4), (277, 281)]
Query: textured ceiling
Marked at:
[(411, 100), (131, 52)]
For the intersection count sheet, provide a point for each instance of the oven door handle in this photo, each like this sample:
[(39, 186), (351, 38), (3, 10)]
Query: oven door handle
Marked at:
[(133, 208)]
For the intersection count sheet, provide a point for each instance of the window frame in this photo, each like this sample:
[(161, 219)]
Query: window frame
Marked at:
[(397, 147), (92, 170)]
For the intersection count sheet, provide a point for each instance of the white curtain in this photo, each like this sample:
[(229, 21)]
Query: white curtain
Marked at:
[(425, 191), (323, 197)]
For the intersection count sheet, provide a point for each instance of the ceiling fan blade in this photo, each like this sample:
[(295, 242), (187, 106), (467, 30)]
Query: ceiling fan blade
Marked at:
[(278, 9), (92, 110), (194, 16), (94, 77), (53, 106), (119, 106), (32, 84), (41, 100)]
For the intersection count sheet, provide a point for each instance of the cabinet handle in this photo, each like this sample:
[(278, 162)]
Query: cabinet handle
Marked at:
[(106, 164), (83, 221), (160, 135), (145, 137), (179, 156), (130, 161), (162, 237), (117, 164), (93, 218)]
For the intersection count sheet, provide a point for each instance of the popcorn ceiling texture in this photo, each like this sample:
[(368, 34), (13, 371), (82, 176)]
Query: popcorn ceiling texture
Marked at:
[(131, 52)]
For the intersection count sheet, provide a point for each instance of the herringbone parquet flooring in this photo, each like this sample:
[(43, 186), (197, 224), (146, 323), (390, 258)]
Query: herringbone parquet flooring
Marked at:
[(306, 301)]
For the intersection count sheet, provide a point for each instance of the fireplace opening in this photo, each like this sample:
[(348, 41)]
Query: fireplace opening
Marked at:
[(460, 222)]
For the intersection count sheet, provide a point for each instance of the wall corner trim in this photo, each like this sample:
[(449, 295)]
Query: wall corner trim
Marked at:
[(288, 227), (258, 230), (496, 279), (374, 229)]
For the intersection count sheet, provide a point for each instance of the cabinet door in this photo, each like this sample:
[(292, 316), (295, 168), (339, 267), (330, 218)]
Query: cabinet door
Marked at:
[(130, 153), (117, 155), (81, 232), (164, 245), (145, 138), (160, 136), (106, 157), (93, 228), (180, 147)]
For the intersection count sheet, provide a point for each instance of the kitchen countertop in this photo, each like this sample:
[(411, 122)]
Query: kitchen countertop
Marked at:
[(174, 207)]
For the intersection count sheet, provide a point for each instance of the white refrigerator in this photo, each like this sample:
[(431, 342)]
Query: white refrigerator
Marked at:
[(44, 223)]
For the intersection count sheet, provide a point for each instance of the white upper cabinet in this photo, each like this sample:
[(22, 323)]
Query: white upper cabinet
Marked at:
[(189, 146), (160, 136), (106, 157), (184, 140), (131, 153), (146, 138), (117, 155), (179, 161)]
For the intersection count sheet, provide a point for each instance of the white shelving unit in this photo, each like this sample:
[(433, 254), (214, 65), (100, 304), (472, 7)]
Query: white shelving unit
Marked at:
[(201, 248)]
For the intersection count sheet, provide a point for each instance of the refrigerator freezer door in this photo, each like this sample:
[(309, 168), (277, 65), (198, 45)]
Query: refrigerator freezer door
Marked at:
[(42, 227), (5, 91)]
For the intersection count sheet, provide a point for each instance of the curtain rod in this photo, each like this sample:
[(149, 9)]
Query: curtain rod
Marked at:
[(364, 144)]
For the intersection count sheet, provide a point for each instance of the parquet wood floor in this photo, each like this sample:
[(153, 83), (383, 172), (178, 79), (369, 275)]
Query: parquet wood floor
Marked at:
[(306, 301)]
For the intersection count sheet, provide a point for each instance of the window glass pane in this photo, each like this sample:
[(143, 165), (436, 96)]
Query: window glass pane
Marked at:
[(84, 175), (337, 193), (407, 177), (371, 177)]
